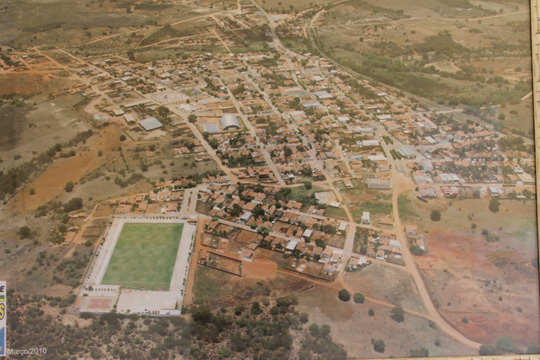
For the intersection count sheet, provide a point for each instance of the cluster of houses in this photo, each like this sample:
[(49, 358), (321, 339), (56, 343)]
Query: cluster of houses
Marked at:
[(327, 122), (283, 224), (415, 238)]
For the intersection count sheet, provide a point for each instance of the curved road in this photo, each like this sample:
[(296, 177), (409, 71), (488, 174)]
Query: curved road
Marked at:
[(399, 184)]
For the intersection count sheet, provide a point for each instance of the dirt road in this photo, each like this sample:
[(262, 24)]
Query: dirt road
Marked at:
[(402, 185)]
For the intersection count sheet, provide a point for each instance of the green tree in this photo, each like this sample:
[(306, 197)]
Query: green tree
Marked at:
[(359, 298), (435, 215), (416, 250), (192, 118), (314, 330), (32, 191), (163, 111), (371, 312), (378, 345), (304, 318), (236, 210), (344, 295), (398, 314), (288, 151), (122, 137), (202, 315), (69, 186), (308, 185), (73, 204), (494, 205), (325, 330)]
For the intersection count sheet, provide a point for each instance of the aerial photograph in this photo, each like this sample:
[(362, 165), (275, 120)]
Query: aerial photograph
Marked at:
[(267, 179)]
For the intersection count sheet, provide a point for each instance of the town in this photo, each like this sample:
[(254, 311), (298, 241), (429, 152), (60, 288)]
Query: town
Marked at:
[(275, 161)]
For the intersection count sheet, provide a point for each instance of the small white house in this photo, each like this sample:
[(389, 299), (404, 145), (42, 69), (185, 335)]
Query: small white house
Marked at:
[(366, 219)]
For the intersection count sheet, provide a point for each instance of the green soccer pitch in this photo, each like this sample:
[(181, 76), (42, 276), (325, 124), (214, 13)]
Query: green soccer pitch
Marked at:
[(144, 256)]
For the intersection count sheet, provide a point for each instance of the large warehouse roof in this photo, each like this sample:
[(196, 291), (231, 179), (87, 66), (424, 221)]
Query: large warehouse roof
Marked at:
[(150, 123), (228, 121)]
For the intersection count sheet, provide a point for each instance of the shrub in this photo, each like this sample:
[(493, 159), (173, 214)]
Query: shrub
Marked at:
[(398, 314), (238, 310), (256, 308), (24, 232), (435, 215), (422, 352), (505, 343), (489, 350), (494, 205)]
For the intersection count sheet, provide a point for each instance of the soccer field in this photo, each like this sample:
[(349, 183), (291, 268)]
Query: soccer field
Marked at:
[(144, 256)]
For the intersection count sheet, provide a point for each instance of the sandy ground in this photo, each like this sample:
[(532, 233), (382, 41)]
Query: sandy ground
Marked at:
[(484, 283), (22, 83), (262, 268)]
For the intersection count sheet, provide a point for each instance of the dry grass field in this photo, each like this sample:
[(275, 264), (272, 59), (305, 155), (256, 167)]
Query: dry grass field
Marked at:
[(492, 275)]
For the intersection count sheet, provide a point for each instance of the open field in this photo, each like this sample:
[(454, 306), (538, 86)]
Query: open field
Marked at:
[(351, 324), (377, 203), (49, 184), (494, 283), (383, 282), (492, 275), (461, 215), (133, 263), (78, 22)]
